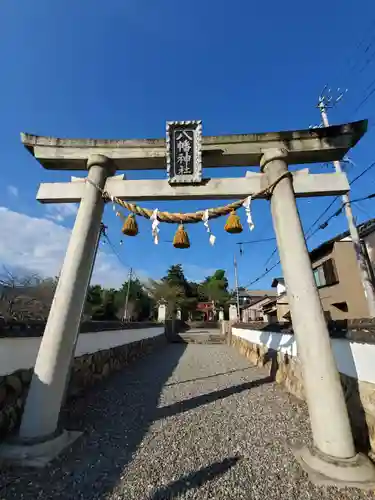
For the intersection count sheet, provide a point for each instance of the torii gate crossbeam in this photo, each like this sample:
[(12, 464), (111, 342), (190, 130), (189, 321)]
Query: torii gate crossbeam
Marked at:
[(333, 458), (305, 146)]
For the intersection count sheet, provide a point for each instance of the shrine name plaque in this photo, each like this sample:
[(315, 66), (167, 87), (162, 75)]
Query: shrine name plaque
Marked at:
[(184, 154)]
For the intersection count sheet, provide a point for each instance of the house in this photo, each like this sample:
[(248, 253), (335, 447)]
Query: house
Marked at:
[(336, 275), (267, 308), (248, 297), (252, 303), (282, 304)]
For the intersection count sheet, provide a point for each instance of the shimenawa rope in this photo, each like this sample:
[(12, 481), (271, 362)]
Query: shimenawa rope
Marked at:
[(192, 217)]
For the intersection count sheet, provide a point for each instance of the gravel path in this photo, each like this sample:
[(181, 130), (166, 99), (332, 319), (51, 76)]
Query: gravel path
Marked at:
[(187, 422)]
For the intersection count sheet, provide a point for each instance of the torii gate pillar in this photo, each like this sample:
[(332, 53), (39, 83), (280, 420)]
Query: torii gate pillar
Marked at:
[(47, 389), (333, 458)]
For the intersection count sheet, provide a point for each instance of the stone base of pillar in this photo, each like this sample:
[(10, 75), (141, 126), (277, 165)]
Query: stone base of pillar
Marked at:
[(36, 454), (356, 472)]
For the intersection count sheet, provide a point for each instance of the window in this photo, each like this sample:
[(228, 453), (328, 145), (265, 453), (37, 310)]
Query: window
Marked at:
[(325, 274), (319, 276)]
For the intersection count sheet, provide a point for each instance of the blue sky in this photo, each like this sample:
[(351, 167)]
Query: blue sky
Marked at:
[(121, 69)]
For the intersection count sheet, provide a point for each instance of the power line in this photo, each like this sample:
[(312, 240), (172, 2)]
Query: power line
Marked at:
[(267, 271), (114, 250), (255, 241), (337, 197), (360, 52), (338, 212), (363, 210), (367, 61), (359, 46), (364, 38), (321, 215), (368, 197), (329, 101), (241, 243), (361, 58), (366, 98), (320, 227), (372, 165), (370, 89), (325, 223), (117, 255)]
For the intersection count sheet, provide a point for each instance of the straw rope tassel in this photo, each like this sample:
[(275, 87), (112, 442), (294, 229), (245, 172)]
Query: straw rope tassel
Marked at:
[(187, 218), (130, 227), (181, 238), (233, 224)]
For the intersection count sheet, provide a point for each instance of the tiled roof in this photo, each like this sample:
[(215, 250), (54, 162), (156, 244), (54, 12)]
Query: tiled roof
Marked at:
[(257, 293)]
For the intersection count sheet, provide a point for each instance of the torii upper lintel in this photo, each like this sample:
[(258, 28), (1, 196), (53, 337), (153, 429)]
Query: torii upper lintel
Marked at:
[(304, 146), (333, 458)]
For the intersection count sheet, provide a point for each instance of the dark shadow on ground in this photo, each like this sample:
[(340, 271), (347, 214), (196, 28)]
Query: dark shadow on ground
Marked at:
[(190, 404), (345, 361), (209, 376), (194, 479), (114, 415)]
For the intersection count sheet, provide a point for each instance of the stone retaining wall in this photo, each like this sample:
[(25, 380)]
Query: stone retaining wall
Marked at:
[(35, 328), (359, 395), (87, 370)]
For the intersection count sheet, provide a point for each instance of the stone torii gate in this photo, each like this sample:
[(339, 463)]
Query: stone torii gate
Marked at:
[(333, 457)]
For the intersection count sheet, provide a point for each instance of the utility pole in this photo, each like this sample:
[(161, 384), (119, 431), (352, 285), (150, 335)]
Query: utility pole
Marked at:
[(125, 317), (236, 285), (325, 102)]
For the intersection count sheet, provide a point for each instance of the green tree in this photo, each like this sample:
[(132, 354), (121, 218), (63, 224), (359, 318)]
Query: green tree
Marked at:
[(218, 276), (101, 303), (175, 276), (215, 289), (193, 289), (140, 304), (189, 299), (192, 297), (170, 293), (214, 292), (108, 308), (94, 300)]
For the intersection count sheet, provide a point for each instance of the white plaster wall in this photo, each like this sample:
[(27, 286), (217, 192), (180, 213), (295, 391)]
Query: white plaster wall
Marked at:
[(276, 341), (232, 313), (370, 245), (20, 353), (280, 288), (352, 358)]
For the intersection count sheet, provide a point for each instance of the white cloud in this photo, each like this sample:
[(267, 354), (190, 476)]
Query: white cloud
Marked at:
[(39, 245), (60, 211), (13, 191)]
